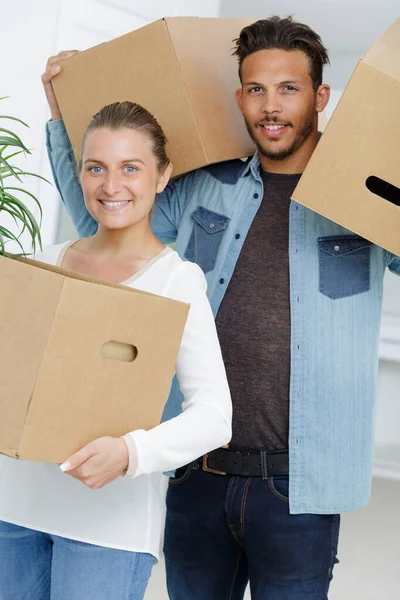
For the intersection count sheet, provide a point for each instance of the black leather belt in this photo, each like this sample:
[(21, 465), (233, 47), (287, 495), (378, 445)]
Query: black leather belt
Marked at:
[(224, 461)]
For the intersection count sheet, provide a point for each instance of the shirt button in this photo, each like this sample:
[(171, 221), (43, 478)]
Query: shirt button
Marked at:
[(255, 195), (222, 280), (336, 248), (237, 236), (212, 225)]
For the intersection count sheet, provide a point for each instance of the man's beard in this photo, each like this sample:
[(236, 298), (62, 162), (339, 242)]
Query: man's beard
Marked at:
[(306, 129)]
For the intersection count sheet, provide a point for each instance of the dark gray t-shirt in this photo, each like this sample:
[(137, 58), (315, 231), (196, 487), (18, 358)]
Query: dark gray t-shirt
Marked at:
[(253, 324)]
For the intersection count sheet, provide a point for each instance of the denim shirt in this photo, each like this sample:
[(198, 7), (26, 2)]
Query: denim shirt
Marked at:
[(336, 281)]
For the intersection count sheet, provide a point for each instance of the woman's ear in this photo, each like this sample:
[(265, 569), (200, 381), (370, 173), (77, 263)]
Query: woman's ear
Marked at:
[(164, 178)]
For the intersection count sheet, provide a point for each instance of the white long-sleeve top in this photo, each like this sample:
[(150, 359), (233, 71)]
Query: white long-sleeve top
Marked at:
[(127, 513)]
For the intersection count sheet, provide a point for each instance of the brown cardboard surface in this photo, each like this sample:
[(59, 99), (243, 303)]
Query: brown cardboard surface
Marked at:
[(181, 70), (384, 54), (57, 390), (210, 75), (360, 141)]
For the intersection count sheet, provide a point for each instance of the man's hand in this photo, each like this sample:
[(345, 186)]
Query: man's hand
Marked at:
[(99, 462), (52, 69)]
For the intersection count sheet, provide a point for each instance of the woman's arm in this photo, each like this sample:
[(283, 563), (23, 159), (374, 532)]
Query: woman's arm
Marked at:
[(205, 423)]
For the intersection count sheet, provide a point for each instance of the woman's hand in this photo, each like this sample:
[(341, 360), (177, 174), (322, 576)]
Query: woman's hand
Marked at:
[(52, 69), (99, 462)]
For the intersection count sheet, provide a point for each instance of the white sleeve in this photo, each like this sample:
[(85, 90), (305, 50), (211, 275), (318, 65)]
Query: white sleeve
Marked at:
[(205, 423)]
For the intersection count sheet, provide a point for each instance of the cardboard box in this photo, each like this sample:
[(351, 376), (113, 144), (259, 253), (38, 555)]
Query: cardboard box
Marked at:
[(353, 177), (180, 69), (61, 384)]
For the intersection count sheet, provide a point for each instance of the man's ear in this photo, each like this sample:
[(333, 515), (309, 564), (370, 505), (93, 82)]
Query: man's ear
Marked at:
[(238, 96), (323, 95), (164, 178)]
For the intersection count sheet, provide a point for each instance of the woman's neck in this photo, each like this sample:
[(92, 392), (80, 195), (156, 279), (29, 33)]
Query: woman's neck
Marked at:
[(137, 240)]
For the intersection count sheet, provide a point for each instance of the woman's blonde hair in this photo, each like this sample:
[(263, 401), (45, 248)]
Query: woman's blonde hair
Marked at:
[(131, 116)]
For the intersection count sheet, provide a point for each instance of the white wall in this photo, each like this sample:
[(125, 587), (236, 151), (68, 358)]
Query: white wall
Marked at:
[(28, 32)]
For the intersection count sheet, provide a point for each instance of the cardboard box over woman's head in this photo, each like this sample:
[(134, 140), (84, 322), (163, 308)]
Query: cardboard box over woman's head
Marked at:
[(353, 177), (80, 359), (181, 70)]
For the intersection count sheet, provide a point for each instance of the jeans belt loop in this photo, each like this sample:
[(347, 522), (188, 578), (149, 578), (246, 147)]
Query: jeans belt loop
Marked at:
[(264, 464)]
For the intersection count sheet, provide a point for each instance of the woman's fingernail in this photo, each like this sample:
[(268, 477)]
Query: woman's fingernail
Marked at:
[(65, 466)]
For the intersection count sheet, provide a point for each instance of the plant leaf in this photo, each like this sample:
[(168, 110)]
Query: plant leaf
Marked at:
[(12, 155), (11, 236), (9, 168), (14, 119), (10, 141), (15, 136), (30, 174), (29, 194), (27, 215), (19, 217)]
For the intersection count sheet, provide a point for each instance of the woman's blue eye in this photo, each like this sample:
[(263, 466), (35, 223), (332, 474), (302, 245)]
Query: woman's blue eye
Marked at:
[(95, 169)]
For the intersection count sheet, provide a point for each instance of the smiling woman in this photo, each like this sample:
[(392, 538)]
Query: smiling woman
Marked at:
[(123, 167), (106, 542)]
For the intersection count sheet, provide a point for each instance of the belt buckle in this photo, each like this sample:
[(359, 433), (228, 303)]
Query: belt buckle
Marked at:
[(209, 469)]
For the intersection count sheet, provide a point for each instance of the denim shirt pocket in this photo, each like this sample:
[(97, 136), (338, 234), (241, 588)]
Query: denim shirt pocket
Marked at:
[(208, 230), (344, 265)]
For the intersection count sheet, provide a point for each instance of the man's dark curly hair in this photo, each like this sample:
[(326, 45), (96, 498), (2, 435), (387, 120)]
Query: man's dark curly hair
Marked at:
[(283, 34)]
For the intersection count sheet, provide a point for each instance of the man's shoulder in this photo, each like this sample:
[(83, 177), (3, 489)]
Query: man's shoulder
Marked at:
[(227, 172)]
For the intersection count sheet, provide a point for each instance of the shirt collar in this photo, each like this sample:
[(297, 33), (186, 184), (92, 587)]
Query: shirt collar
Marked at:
[(252, 166)]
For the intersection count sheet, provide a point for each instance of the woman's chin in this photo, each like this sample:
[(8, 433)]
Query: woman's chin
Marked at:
[(114, 224)]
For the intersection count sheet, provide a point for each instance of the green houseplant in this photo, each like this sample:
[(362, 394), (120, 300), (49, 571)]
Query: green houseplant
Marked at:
[(12, 190)]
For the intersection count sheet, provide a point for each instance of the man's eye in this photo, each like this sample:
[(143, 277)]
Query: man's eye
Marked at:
[(290, 88), (130, 169), (255, 90)]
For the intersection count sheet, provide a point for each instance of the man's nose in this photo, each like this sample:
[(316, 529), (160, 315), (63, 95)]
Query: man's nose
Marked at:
[(272, 104)]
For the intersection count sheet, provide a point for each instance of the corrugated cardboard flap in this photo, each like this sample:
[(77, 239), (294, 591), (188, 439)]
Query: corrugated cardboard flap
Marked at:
[(28, 302), (88, 278), (385, 53)]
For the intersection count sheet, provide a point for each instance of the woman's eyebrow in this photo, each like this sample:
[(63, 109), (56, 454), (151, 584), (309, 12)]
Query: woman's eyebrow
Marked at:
[(99, 162)]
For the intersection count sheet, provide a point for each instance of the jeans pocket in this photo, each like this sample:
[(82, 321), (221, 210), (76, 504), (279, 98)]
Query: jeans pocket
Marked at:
[(208, 231), (344, 265), (181, 475), (279, 486)]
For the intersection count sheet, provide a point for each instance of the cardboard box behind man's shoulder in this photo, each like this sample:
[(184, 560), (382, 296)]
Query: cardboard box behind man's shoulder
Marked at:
[(180, 69), (79, 359)]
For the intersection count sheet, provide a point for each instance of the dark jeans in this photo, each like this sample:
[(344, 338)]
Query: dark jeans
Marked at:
[(224, 531)]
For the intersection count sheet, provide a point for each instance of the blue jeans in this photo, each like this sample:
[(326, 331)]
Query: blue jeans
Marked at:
[(224, 531), (40, 566)]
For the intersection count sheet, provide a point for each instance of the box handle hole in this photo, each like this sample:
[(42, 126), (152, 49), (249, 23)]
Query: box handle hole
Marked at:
[(383, 189), (119, 351)]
